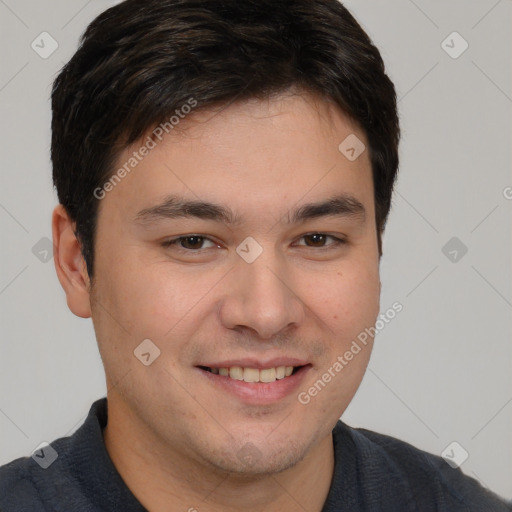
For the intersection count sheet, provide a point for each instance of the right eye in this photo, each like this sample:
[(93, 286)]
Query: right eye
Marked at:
[(188, 243)]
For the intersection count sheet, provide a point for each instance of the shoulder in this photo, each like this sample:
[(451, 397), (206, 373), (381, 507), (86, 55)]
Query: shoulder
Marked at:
[(27, 483), (15, 482), (24, 483), (428, 478), (53, 474)]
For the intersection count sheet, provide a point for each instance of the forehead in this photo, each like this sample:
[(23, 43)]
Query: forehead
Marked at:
[(264, 153)]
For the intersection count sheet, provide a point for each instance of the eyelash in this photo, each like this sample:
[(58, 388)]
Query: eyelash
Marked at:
[(173, 242)]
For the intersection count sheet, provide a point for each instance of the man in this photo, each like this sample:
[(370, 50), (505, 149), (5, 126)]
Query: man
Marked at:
[(225, 172)]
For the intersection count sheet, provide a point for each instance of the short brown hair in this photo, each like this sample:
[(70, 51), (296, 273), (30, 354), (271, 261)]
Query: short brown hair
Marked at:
[(141, 60)]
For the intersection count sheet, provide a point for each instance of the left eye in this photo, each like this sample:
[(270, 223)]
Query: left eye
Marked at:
[(318, 240), (193, 243)]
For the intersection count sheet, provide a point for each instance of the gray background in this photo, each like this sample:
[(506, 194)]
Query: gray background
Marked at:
[(441, 370)]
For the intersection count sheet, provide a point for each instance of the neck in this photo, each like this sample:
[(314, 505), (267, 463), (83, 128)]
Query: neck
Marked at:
[(159, 475)]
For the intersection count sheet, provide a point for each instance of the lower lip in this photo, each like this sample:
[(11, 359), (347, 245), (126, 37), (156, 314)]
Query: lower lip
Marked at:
[(259, 393)]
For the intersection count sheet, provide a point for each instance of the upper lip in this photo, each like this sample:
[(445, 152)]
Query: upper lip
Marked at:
[(249, 362)]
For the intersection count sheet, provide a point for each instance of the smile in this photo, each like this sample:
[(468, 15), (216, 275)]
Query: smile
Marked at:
[(254, 374), (256, 386)]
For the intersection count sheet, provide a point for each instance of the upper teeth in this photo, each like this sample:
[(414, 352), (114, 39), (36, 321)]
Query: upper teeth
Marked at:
[(255, 375)]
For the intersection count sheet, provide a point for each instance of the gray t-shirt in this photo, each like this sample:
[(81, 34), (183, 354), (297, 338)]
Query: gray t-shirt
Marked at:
[(373, 472)]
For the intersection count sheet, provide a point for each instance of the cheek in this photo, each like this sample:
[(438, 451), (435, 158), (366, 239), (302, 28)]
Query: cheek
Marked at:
[(348, 305), (157, 300), (347, 300)]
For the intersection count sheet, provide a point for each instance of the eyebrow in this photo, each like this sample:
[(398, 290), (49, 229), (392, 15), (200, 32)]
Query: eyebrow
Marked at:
[(173, 207)]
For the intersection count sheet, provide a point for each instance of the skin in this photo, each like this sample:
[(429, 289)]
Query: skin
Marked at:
[(173, 436)]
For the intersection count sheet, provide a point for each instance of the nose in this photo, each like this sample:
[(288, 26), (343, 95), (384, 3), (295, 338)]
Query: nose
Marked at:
[(261, 296)]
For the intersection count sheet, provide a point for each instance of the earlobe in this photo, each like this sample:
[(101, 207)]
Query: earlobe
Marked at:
[(70, 264)]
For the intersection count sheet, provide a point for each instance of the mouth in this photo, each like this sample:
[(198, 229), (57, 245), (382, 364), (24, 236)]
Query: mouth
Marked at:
[(254, 375), (256, 381)]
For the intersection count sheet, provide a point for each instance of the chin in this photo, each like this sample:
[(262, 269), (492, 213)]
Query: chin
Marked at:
[(258, 458)]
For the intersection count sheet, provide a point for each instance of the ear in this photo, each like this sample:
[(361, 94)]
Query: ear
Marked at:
[(70, 264)]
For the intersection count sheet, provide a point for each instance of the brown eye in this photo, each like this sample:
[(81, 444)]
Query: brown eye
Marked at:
[(320, 239), (317, 240), (189, 243)]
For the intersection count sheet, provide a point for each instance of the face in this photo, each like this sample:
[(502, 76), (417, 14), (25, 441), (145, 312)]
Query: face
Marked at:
[(255, 280)]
